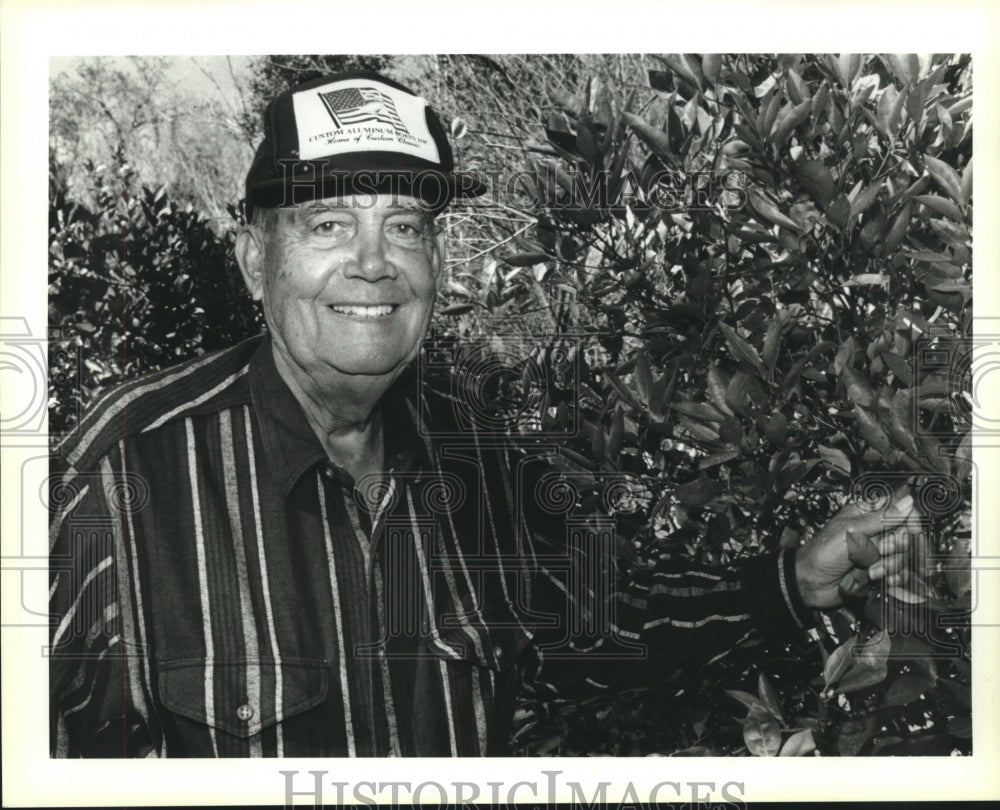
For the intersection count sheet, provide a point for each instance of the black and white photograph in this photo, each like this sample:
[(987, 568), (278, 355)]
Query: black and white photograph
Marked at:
[(527, 406)]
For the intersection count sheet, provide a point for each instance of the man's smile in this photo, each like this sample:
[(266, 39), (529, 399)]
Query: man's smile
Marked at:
[(364, 310)]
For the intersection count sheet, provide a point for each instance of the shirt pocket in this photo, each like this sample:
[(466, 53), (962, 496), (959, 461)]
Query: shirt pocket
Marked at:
[(490, 638), (242, 692)]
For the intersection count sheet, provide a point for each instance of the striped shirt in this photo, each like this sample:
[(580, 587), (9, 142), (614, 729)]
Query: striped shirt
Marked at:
[(221, 589)]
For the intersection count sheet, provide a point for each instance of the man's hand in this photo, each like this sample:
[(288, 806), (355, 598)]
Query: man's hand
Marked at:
[(855, 547)]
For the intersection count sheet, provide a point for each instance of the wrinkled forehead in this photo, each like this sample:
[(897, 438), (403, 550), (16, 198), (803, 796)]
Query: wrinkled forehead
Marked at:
[(356, 204), (364, 202)]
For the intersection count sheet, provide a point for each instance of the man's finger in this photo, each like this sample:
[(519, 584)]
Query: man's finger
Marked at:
[(854, 581), (890, 564), (894, 541), (871, 523), (860, 550)]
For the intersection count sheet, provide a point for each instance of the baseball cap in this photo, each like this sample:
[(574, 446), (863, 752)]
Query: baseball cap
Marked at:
[(354, 132)]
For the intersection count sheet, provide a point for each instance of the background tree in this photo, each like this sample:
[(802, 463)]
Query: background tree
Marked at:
[(271, 75), (772, 246), (143, 113)]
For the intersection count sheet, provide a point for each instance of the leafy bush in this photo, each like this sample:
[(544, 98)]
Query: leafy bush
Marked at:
[(763, 259), (136, 283)]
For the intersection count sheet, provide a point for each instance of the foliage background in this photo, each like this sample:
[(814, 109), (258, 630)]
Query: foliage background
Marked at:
[(742, 283)]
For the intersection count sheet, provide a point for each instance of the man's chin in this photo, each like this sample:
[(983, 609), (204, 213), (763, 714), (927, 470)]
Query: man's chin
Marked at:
[(374, 369)]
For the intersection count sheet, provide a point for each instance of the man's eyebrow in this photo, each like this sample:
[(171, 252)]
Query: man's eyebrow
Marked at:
[(408, 207), (317, 205)]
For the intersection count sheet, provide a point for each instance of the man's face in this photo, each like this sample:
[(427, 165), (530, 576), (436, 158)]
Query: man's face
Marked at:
[(348, 283)]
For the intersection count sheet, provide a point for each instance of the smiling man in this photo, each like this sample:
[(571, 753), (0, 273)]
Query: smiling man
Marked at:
[(270, 551)]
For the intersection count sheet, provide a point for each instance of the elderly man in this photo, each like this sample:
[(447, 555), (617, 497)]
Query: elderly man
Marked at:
[(270, 551)]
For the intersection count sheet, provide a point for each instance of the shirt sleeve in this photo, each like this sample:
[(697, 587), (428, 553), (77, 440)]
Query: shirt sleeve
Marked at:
[(600, 627), (92, 691)]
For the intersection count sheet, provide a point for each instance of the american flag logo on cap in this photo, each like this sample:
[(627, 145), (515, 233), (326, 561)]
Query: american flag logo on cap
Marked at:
[(358, 105)]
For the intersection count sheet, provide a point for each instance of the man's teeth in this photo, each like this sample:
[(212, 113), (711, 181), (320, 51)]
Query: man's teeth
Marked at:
[(364, 312)]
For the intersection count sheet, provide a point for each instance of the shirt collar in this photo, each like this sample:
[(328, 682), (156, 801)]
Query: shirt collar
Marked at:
[(291, 447)]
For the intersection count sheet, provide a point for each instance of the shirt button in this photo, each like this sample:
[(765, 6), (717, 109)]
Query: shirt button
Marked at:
[(499, 654), (328, 472), (244, 712)]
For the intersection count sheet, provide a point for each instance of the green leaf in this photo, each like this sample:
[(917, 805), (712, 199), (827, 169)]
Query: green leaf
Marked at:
[(598, 445), (898, 230), (901, 419), (691, 751), (858, 389), (967, 181), (942, 205), (900, 67), (838, 662), (863, 201), (854, 733), (616, 433), (872, 431), (748, 700), (903, 595), (737, 392), (799, 744), (770, 212), (772, 340), (526, 259), (717, 389), (457, 309), (869, 664), (866, 280), (898, 366), (741, 350), (797, 89), (761, 733), (697, 493), (624, 392), (698, 410), (659, 397), (945, 176), (963, 458), (718, 458), (656, 139), (960, 726), (785, 126), (769, 696), (769, 113), (776, 428), (816, 179), (839, 212), (661, 81), (731, 430), (886, 103), (915, 103), (643, 376), (835, 458), (905, 689), (682, 68), (710, 65), (958, 572)]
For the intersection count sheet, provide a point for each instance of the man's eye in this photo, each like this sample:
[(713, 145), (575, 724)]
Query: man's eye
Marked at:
[(405, 232), (330, 226)]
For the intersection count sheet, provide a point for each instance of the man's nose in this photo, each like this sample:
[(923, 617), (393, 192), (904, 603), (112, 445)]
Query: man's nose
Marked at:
[(369, 262)]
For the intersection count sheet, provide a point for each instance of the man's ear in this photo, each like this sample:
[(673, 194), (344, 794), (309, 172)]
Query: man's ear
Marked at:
[(437, 257), (250, 257)]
